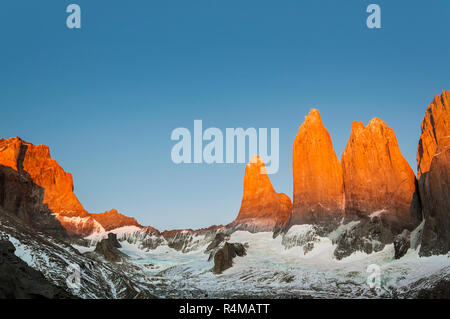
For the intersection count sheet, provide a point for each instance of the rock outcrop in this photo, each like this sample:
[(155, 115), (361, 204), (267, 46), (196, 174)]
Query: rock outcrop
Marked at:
[(318, 183), (379, 183), (223, 258), (112, 219), (402, 243), (262, 209), (219, 239), (366, 234), (108, 248)]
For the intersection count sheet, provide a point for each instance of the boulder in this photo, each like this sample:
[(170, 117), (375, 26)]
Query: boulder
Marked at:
[(402, 243), (367, 234), (108, 249), (223, 258)]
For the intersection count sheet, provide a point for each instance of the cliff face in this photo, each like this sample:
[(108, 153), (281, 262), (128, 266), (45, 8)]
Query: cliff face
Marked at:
[(378, 180), (22, 199), (261, 208), (45, 172), (317, 173), (433, 166)]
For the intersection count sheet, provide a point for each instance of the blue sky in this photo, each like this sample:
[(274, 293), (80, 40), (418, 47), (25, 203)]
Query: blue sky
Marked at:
[(106, 98)]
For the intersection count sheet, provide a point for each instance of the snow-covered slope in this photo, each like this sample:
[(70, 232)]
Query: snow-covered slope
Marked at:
[(277, 268), (52, 257)]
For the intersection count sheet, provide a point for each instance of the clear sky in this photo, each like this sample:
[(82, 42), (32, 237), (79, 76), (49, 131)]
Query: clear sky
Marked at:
[(107, 97)]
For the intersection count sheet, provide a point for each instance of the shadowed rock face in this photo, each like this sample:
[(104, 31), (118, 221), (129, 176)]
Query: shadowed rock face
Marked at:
[(317, 173), (21, 198), (261, 208), (378, 180), (435, 190), (433, 166), (19, 281)]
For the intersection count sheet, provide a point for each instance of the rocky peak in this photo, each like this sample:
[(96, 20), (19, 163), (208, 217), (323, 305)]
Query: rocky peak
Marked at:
[(112, 219), (317, 173), (435, 125), (377, 178), (261, 208), (45, 172)]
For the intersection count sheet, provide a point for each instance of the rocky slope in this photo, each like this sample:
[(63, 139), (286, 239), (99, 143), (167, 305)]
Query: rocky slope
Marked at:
[(262, 209), (20, 281), (433, 166), (186, 240), (317, 173), (51, 257)]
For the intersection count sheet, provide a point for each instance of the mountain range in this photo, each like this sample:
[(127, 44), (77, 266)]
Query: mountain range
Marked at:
[(367, 200)]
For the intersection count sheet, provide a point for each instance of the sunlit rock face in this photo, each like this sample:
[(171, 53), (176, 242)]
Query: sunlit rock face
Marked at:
[(317, 173), (45, 172), (57, 185), (262, 209), (378, 180), (435, 126), (433, 166), (23, 199), (112, 219)]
